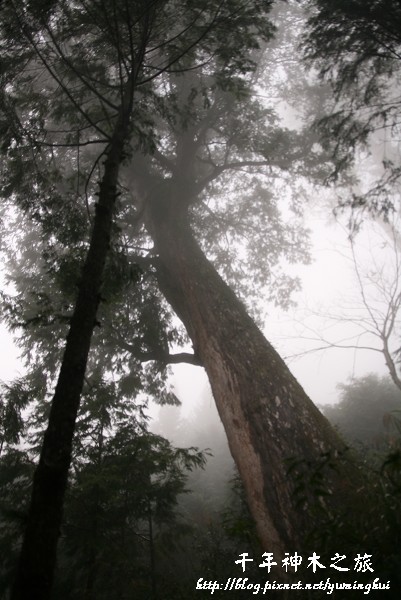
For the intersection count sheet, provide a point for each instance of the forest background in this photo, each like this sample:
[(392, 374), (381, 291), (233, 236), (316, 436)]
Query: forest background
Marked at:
[(207, 119)]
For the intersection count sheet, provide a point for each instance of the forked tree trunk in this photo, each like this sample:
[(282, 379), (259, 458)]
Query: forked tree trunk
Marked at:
[(268, 418)]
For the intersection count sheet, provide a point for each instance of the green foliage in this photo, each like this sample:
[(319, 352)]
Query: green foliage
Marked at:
[(346, 528), (14, 399), (354, 39), (368, 418), (51, 171), (121, 501), (16, 471), (136, 478), (356, 47), (54, 151), (366, 411)]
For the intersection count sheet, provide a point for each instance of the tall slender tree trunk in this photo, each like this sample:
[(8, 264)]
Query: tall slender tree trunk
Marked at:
[(36, 565), (267, 416)]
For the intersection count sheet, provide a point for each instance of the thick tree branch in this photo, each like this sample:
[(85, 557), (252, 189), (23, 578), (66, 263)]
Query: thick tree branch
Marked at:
[(159, 355)]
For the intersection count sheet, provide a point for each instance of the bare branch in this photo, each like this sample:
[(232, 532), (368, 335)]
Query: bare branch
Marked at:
[(374, 311)]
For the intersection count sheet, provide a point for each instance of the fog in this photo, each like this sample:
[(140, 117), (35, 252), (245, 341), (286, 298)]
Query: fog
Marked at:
[(217, 184)]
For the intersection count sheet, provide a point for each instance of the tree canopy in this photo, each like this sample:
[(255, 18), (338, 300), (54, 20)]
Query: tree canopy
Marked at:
[(141, 173), (356, 47)]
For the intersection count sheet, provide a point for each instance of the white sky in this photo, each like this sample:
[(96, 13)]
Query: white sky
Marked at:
[(326, 285)]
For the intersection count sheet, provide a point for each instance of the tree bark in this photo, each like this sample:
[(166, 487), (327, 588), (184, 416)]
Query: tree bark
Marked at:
[(268, 418)]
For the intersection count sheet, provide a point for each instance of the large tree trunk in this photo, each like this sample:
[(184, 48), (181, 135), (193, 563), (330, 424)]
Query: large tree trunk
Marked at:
[(267, 416)]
